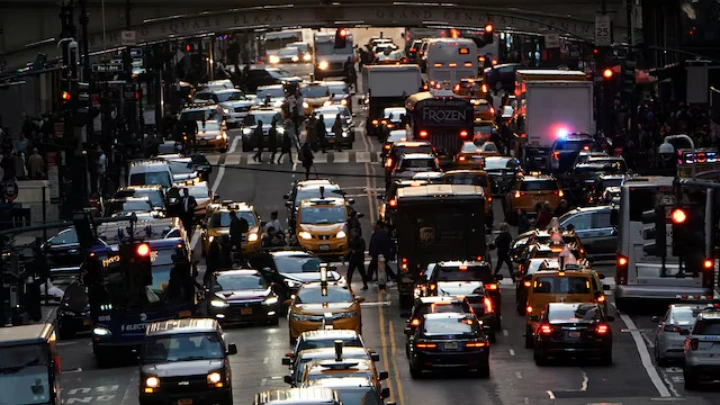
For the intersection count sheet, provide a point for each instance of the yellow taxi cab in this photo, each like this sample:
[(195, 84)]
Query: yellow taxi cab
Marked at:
[(319, 226), (469, 157), (323, 305), (217, 224), (571, 286), (471, 87), (530, 190), (475, 178), (212, 135), (489, 149), (482, 110), (316, 95)]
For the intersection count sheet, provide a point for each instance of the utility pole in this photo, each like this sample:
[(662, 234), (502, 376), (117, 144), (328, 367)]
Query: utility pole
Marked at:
[(603, 61), (130, 108), (67, 33)]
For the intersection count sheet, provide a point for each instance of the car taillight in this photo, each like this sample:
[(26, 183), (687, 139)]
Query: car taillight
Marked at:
[(529, 310), (527, 284), (388, 163), (374, 122), (600, 299), (392, 203), (475, 345), (488, 305), (560, 193), (546, 329), (387, 146), (463, 134), (413, 50), (519, 194), (489, 199), (425, 345), (415, 322), (602, 329), (556, 155), (461, 158), (491, 286), (694, 344), (433, 287), (457, 87), (621, 270), (492, 110), (391, 125), (671, 328), (423, 134)]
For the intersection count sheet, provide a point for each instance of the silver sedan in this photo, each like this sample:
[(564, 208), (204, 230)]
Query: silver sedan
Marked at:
[(672, 329)]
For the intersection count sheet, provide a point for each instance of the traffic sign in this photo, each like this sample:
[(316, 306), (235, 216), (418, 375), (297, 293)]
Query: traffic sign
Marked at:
[(603, 30), (10, 190), (102, 67), (127, 38), (136, 52), (552, 41)]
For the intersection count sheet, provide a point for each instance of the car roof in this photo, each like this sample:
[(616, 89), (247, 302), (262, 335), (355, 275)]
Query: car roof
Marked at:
[(344, 382), (329, 334), (239, 273), (185, 325), (295, 396), (419, 156), (435, 299), (447, 315)]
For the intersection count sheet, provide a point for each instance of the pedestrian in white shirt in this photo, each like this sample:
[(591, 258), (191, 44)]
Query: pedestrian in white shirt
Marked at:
[(274, 222)]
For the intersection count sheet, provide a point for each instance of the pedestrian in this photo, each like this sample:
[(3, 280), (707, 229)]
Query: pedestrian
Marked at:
[(300, 109), (188, 212), (381, 244), (101, 170), (310, 133), (502, 243), (356, 258), (239, 226), (307, 159), (523, 221), (562, 208), (274, 222), (288, 139), (273, 140), (352, 223), (544, 216), (19, 161), (191, 130), (337, 130), (36, 165), (258, 142), (321, 132)]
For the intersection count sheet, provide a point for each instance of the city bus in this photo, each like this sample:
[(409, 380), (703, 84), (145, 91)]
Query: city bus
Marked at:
[(442, 119), (449, 60), (639, 276), (522, 76)]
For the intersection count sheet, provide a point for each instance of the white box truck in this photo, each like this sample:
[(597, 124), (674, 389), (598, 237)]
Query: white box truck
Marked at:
[(388, 86)]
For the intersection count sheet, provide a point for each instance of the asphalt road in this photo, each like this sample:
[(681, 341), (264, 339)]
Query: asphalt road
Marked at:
[(515, 379)]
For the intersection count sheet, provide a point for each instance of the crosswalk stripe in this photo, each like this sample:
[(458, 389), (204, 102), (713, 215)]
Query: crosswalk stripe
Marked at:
[(233, 159), (246, 158), (213, 159), (341, 157)]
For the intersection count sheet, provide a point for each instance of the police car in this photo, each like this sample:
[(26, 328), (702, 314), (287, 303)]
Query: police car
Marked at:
[(702, 349)]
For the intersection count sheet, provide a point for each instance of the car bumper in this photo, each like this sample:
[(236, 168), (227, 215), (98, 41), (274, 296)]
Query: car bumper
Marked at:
[(239, 313), (324, 248), (210, 397), (588, 347), (672, 346), (76, 323), (212, 144), (661, 294), (296, 328), (235, 118), (432, 360)]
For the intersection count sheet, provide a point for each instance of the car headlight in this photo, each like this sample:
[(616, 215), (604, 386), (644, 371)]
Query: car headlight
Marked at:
[(323, 65), (270, 301), (211, 238), (345, 315), (327, 103), (305, 235), (306, 105), (247, 131), (214, 377), (218, 303), (274, 59), (227, 110), (280, 130), (219, 137), (152, 382), (295, 59), (253, 237), (343, 102), (341, 234), (307, 57), (345, 134), (100, 331), (292, 283), (302, 318)]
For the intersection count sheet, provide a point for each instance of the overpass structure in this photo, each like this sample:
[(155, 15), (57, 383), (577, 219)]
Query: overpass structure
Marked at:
[(29, 27)]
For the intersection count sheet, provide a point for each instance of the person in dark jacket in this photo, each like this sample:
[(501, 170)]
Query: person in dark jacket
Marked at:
[(258, 141), (188, 205), (544, 216), (356, 257), (321, 132), (352, 223), (238, 228), (381, 244), (286, 147), (273, 140), (503, 242), (213, 260), (307, 159), (562, 208), (523, 221)]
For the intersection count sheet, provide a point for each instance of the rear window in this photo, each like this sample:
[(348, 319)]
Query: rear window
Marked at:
[(472, 180), (570, 314), (151, 178), (413, 149), (575, 146), (440, 309), (707, 327), (471, 274), (538, 185), (322, 344), (452, 326), (561, 285), (418, 164)]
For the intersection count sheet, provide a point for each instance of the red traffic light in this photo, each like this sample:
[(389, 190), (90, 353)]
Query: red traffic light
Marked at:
[(66, 96), (607, 73), (343, 32), (678, 216), (454, 33), (596, 51), (489, 28), (143, 250), (188, 48)]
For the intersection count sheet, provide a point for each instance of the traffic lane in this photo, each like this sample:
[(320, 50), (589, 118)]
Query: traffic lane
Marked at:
[(264, 186)]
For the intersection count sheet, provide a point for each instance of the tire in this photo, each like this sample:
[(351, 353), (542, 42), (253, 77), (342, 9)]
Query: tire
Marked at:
[(246, 144), (104, 358), (529, 344), (691, 380), (606, 359), (65, 333), (492, 337), (415, 371), (540, 358), (407, 350), (660, 361)]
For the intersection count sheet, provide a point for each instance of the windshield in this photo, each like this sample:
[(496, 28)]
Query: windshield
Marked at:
[(450, 326), (209, 126), (222, 219), (182, 347), (359, 396), (288, 52), (397, 136), (279, 73), (199, 192), (230, 96), (574, 146), (351, 372), (468, 179), (443, 308), (180, 167), (137, 205), (471, 274), (483, 129), (155, 196), (330, 121), (609, 163), (418, 164), (328, 48), (224, 282), (151, 178), (325, 344), (314, 192), (315, 91), (469, 147), (273, 92), (539, 185), (24, 375), (323, 215), (561, 285), (338, 88), (568, 313), (334, 295), (393, 113), (394, 56), (497, 164), (266, 118), (297, 264), (481, 108)]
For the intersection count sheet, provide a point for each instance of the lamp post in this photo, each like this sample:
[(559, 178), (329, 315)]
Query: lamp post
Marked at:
[(668, 149)]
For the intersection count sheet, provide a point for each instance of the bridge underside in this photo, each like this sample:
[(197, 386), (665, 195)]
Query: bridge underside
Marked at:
[(26, 31)]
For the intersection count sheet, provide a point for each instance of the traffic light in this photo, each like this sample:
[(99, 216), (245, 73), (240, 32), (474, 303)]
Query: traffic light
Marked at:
[(80, 102), (680, 231), (488, 36), (138, 259), (341, 38), (658, 232), (608, 74), (85, 229), (628, 77), (189, 47)]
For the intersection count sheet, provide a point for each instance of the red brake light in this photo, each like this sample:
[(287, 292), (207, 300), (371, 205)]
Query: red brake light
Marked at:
[(415, 322), (423, 134), (388, 163), (457, 87), (461, 158), (560, 193), (475, 344), (66, 96), (622, 261), (491, 286), (556, 155), (425, 345), (707, 264), (671, 328), (601, 299), (492, 110), (602, 329), (586, 148), (529, 310), (143, 250), (527, 284), (387, 147), (413, 50), (392, 203), (463, 134), (488, 305), (546, 329), (519, 194)]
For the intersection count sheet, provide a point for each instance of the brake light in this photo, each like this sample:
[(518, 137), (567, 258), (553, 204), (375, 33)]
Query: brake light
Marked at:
[(546, 329), (392, 203), (423, 134), (708, 280), (556, 155), (489, 199), (621, 270), (461, 158), (586, 148), (491, 286), (523, 135), (527, 284), (391, 125), (671, 328), (463, 134), (388, 163), (413, 50), (425, 345), (468, 64), (484, 88), (387, 147), (707, 264), (602, 329), (415, 322), (519, 194), (488, 306), (475, 344), (457, 87), (529, 309), (492, 110), (433, 287), (374, 122), (694, 344), (560, 193), (601, 299)]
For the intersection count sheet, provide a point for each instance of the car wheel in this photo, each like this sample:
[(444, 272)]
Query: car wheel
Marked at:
[(540, 358), (529, 344), (415, 371), (691, 380)]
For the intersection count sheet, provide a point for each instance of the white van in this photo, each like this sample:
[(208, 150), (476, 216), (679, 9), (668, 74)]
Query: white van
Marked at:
[(150, 172)]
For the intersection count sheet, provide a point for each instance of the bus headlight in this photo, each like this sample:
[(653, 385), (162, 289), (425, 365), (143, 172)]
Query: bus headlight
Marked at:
[(305, 235), (323, 65), (100, 331), (152, 382), (218, 303), (253, 237)]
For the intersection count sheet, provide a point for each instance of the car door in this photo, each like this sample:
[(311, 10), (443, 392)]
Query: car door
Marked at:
[(583, 222), (604, 235)]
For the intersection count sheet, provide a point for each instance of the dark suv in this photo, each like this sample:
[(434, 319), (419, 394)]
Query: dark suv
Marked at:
[(565, 150)]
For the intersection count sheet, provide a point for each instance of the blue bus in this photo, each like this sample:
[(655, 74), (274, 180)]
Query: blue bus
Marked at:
[(123, 300)]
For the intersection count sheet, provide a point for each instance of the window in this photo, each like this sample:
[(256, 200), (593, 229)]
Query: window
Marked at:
[(273, 92), (449, 326), (155, 196), (706, 327), (361, 395), (315, 91), (333, 295), (229, 282), (297, 264), (472, 274), (230, 96), (67, 236), (415, 164), (581, 222), (323, 215), (338, 89), (469, 147), (222, 219), (211, 125), (643, 199), (199, 192), (683, 315), (26, 365), (601, 220), (255, 118), (161, 178), (182, 347), (289, 52), (539, 185), (441, 309), (327, 343), (180, 167), (574, 146), (569, 313), (470, 179), (137, 205), (314, 192), (561, 285)]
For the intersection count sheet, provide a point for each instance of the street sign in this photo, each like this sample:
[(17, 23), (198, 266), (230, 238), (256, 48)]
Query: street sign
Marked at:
[(102, 67), (136, 52), (10, 190), (603, 30), (127, 38), (552, 41)]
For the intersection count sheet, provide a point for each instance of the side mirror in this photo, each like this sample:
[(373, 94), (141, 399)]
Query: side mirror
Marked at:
[(288, 380), (286, 197), (385, 393), (684, 332), (374, 356), (287, 302), (655, 319), (351, 201), (286, 361), (601, 276), (232, 349), (606, 287), (383, 375), (360, 299), (499, 277), (610, 318), (408, 331)]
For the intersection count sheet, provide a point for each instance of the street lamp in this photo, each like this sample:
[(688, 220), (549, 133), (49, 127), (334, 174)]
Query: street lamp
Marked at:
[(667, 150)]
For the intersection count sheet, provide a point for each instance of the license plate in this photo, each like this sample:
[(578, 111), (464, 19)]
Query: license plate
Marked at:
[(451, 346), (185, 314), (324, 247), (574, 334), (203, 142), (246, 311), (86, 322), (184, 402)]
